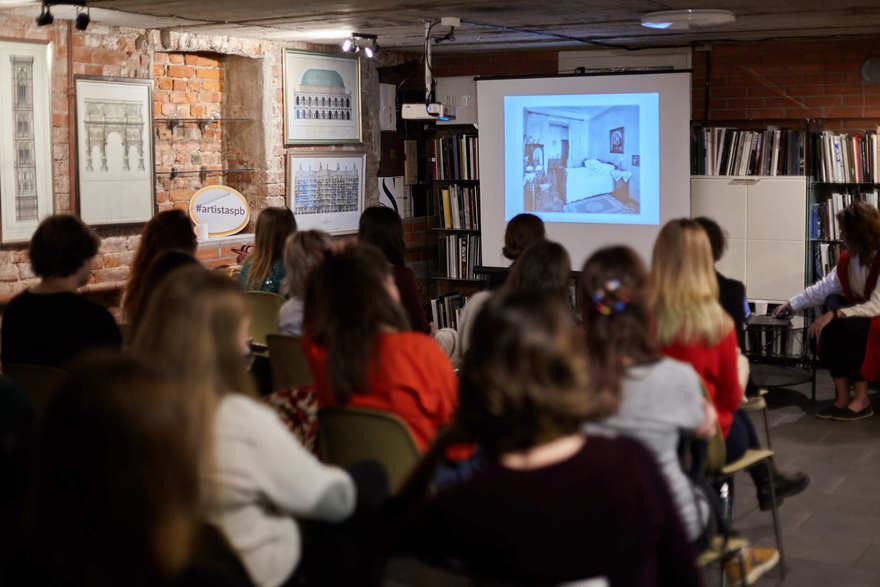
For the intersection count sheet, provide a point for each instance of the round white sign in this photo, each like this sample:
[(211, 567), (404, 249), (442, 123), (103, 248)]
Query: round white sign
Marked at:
[(220, 208)]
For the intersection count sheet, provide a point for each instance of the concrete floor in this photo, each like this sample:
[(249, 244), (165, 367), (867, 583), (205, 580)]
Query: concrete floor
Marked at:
[(831, 531)]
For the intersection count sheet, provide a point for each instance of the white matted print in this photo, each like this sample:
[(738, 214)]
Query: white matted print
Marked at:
[(25, 139), (114, 124), (322, 98), (326, 190)]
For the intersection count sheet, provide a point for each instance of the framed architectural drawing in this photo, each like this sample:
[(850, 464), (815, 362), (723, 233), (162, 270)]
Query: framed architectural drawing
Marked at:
[(114, 150), (25, 139), (322, 98), (326, 190)]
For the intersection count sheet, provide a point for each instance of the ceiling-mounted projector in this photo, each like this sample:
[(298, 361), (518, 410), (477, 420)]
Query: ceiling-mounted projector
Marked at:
[(431, 111)]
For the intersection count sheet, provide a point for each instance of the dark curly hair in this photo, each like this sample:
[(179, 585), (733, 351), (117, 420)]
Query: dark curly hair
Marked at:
[(860, 226), (60, 246)]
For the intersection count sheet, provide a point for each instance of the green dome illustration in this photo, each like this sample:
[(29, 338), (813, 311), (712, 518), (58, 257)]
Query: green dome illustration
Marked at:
[(322, 77)]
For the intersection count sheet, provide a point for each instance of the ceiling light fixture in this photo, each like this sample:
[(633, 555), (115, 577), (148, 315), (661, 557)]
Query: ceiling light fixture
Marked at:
[(82, 18), (82, 13), (356, 43), (677, 20), (45, 17)]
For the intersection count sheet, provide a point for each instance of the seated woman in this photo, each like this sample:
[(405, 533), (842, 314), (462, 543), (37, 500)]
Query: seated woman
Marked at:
[(303, 250), (849, 337), (381, 227), (543, 268), (49, 324), (691, 326), (261, 479), (164, 263), (264, 269), (361, 350), (552, 505)]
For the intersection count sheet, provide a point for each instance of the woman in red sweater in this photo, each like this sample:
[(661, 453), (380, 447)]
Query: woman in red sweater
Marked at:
[(361, 350), (691, 326)]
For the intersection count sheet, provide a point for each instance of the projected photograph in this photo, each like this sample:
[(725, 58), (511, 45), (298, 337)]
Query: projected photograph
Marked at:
[(581, 159)]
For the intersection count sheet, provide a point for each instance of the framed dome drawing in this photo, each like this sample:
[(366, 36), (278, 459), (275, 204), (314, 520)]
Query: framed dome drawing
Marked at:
[(322, 98)]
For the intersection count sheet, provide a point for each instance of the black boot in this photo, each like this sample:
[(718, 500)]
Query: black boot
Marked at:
[(785, 485)]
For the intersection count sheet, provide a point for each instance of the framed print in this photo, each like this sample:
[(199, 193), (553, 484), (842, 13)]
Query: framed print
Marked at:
[(25, 139), (114, 150), (326, 190), (616, 140), (322, 98)]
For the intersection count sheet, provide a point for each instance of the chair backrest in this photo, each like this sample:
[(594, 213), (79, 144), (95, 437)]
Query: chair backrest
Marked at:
[(289, 365), (350, 435), (716, 453), (39, 382), (264, 308)]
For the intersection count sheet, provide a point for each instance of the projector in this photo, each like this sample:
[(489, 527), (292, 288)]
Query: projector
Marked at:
[(432, 111)]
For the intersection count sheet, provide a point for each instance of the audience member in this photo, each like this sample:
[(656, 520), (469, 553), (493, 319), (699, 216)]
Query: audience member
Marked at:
[(264, 269), (303, 250), (849, 333), (196, 326), (164, 263), (543, 268), (692, 326), (50, 323), (361, 351), (381, 227), (166, 231), (731, 293), (552, 506), (116, 486)]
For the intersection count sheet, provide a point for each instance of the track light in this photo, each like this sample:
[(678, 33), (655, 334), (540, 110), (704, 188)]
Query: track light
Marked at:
[(45, 17), (356, 43), (82, 19), (347, 45)]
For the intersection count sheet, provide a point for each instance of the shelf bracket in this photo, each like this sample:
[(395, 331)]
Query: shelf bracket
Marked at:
[(173, 173), (173, 123), (203, 124)]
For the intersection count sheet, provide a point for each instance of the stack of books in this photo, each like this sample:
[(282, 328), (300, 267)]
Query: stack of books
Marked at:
[(825, 256), (459, 255), (446, 310), (823, 216), (459, 207), (729, 151), (843, 158), (456, 157)]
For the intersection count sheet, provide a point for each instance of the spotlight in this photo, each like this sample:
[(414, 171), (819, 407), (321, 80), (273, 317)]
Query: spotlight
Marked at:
[(368, 51), (82, 19), (347, 45), (45, 17), (357, 42)]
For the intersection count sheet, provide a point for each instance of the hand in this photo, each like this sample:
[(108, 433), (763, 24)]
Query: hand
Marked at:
[(710, 421), (783, 309), (816, 327)]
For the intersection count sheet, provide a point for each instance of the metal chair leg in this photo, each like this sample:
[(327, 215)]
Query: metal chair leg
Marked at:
[(775, 513), (767, 430)]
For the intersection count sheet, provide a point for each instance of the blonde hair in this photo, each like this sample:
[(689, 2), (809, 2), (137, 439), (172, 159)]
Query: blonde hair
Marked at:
[(303, 251), (685, 288)]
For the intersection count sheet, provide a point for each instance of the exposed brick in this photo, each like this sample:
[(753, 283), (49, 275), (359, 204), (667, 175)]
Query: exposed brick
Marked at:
[(180, 71), (208, 253), (175, 58), (208, 74), (191, 59)]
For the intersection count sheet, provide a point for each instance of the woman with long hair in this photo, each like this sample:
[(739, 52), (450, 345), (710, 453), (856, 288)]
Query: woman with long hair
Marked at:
[(849, 333), (381, 227), (166, 231), (264, 269), (691, 326), (164, 263), (361, 350), (552, 505), (260, 478), (303, 251), (544, 268)]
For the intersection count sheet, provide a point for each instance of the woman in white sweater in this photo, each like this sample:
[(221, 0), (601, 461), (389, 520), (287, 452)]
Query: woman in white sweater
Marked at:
[(849, 333), (259, 479)]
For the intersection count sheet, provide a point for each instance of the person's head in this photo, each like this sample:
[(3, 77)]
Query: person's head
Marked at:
[(615, 309), (717, 239), (685, 288), (544, 267), (381, 227), (350, 299), (303, 250), (166, 231), (521, 231), (162, 265), (274, 225), (196, 325), (63, 246), (116, 484), (524, 379), (860, 227)]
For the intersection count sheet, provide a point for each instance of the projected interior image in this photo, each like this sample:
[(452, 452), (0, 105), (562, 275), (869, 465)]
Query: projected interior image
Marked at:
[(581, 159)]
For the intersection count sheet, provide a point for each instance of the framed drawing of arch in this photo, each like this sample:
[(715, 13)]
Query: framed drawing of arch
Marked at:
[(114, 150), (322, 98)]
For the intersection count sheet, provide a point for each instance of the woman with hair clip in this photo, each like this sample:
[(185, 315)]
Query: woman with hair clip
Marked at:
[(691, 326), (259, 478), (361, 350), (552, 505), (264, 269), (849, 333)]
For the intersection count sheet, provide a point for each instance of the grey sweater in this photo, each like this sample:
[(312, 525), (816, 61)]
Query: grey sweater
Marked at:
[(658, 401)]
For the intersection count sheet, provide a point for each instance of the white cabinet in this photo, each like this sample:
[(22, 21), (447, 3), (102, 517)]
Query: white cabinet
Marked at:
[(765, 221)]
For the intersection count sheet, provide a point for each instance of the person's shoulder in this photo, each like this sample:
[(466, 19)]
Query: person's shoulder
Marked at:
[(413, 342), (22, 298), (676, 371), (238, 406)]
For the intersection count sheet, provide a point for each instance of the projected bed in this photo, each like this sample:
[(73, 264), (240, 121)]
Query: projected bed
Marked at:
[(592, 179)]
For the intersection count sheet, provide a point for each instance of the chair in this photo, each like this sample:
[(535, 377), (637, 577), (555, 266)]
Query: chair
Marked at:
[(264, 307), (759, 404), (289, 366), (350, 435), (39, 382)]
